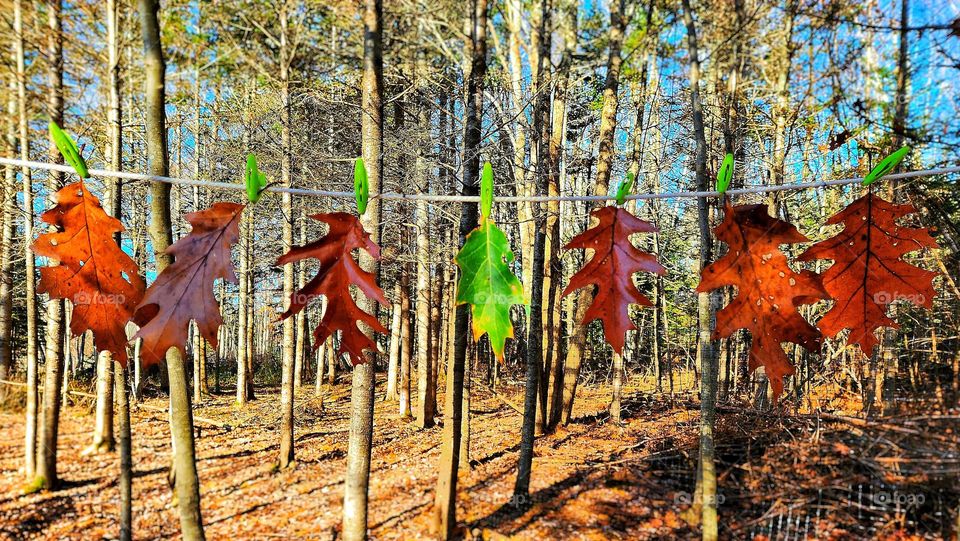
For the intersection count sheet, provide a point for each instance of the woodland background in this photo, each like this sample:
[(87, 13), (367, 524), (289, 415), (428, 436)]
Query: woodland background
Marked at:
[(572, 96)]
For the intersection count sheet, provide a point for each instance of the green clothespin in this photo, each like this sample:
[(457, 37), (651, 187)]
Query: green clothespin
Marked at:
[(884, 167), (361, 186), (725, 174), (486, 190), (624, 189), (256, 181), (69, 150)]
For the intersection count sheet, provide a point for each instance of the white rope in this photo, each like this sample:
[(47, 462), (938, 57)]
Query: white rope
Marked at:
[(476, 199)]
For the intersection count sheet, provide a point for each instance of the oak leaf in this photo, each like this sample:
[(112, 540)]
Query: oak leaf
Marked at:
[(338, 270), (487, 284), (184, 290), (91, 270), (610, 270), (768, 290), (868, 273)]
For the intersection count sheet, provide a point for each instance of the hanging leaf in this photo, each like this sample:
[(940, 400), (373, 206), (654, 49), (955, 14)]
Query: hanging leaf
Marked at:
[(487, 284), (89, 268), (867, 272), (184, 290), (338, 270), (610, 270), (768, 290)]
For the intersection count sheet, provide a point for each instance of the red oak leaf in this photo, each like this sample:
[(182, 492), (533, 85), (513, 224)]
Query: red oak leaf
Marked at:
[(867, 272), (337, 271), (184, 290), (90, 269), (611, 268), (768, 290)]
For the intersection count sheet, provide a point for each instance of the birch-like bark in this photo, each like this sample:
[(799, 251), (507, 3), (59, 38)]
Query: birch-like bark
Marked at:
[(53, 359)]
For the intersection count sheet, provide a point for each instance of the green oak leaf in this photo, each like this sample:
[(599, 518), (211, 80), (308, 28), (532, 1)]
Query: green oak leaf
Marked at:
[(488, 284)]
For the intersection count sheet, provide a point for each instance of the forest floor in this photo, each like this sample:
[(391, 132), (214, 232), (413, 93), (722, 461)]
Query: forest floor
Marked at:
[(780, 476)]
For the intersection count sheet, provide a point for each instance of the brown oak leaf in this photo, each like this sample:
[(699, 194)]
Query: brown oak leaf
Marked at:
[(338, 270), (610, 270), (184, 290), (768, 290), (90, 269), (867, 272)]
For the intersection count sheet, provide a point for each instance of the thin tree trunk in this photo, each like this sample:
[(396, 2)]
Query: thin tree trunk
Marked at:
[(424, 412), (406, 345), (30, 431), (615, 411), (357, 479), (707, 479), (445, 506), (243, 325), (187, 484), (302, 353), (125, 482), (533, 409), (289, 324), (393, 363)]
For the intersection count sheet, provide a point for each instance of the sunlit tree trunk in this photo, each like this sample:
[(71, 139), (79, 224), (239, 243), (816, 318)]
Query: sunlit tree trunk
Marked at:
[(608, 128), (445, 508), (553, 269), (53, 359), (289, 324), (186, 483), (393, 363), (406, 346), (357, 476)]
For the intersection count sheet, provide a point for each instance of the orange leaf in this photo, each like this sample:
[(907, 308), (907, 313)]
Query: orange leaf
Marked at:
[(867, 272), (768, 290), (337, 271), (611, 268), (90, 269), (184, 290)]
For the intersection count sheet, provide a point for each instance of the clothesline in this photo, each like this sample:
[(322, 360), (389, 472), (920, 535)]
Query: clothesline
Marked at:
[(474, 199)]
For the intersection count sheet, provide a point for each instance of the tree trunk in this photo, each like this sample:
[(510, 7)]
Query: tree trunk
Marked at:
[(445, 502), (53, 359), (243, 326), (289, 324), (125, 482), (534, 409), (103, 428), (362, 394), (32, 399), (615, 412), (393, 363), (608, 128), (301, 352), (425, 414), (553, 270), (187, 484), (707, 479), (406, 345)]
